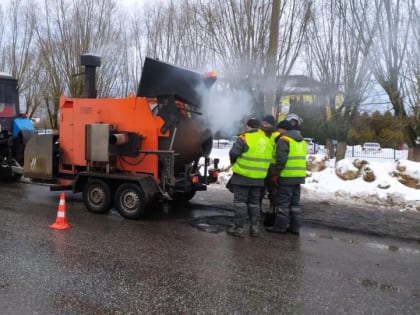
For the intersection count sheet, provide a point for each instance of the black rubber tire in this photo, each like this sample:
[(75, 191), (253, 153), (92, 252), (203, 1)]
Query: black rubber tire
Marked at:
[(183, 197), (17, 177), (7, 175), (130, 201), (97, 196)]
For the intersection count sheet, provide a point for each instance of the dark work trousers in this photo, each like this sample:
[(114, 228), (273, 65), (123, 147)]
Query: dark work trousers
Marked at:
[(288, 208), (287, 196), (270, 190), (268, 212), (246, 201)]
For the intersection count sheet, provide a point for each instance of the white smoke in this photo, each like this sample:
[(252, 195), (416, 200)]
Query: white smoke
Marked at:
[(225, 111)]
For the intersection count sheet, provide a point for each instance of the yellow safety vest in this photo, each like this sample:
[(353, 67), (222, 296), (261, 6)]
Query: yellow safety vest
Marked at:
[(254, 162), (296, 161), (273, 139)]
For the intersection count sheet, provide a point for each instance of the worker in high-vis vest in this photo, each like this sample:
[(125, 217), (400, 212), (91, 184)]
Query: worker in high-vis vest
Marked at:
[(250, 157), (270, 213), (269, 126), (294, 120), (288, 174)]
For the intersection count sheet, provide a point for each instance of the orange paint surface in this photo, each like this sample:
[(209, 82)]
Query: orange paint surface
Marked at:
[(132, 114)]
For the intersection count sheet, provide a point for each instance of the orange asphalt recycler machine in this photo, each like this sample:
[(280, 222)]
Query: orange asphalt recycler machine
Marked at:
[(128, 152)]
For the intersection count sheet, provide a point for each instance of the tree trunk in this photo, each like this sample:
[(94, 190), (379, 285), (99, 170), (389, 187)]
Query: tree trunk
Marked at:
[(341, 151), (271, 73), (414, 153), (330, 146)]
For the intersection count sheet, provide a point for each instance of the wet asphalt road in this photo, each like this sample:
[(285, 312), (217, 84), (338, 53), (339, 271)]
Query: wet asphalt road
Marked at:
[(181, 261)]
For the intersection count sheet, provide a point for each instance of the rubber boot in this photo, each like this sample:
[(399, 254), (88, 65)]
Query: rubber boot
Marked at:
[(235, 230), (255, 227), (295, 220), (269, 216), (281, 222)]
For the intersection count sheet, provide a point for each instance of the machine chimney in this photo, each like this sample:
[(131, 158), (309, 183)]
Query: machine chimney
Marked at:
[(91, 62)]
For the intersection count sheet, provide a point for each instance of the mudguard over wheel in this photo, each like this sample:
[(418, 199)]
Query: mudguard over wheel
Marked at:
[(97, 196), (130, 201)]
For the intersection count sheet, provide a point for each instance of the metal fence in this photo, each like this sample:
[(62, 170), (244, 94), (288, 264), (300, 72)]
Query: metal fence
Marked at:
[(352, 151), (222, 143), (357, 151)]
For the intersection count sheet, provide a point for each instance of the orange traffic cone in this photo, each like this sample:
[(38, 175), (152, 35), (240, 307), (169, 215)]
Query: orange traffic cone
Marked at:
[(61, 221)]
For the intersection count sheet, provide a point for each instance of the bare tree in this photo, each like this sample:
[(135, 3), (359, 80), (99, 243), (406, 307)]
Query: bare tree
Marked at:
[(18, 44), (389, 35), (270, 71), (171, 32), (412, 79), (68, 30), (339, 60), (232, 36), (295, 16), (239, 37), (257, 41)]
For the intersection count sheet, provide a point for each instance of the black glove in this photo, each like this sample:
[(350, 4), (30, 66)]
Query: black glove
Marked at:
[(274, 179)]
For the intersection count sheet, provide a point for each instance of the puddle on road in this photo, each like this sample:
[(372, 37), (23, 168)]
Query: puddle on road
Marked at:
[(372, 284), (208, 228), (394, 248), (373, 245)]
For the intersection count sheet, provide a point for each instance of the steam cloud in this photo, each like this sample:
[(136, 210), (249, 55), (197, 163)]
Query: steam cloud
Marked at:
[(226, 111)]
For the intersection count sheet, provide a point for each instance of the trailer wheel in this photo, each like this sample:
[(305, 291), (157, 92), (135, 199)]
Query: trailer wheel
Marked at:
[(182, 197), (97, 196), (130, 201)]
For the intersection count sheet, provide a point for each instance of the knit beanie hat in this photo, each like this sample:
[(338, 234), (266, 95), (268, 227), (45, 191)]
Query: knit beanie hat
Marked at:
[(253, 123), (269, 119), (284, 124)]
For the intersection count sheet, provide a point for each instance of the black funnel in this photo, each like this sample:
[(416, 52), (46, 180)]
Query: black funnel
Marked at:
[(160, 79)]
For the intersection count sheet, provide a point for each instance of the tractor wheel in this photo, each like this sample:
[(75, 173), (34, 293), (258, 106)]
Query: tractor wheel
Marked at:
[(130, 201), (97, 196)]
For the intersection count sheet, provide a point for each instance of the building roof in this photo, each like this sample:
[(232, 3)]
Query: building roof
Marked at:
[(300, 84)]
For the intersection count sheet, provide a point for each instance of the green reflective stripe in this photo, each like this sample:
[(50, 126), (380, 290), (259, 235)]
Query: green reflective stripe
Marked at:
[(248, 158), (253, 168), (297, 157), (294, 168)]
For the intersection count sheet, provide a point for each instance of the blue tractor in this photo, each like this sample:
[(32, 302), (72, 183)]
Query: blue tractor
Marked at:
[(15, 130)]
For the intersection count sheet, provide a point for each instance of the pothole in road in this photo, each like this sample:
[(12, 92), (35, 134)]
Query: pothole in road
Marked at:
[(212, 224)]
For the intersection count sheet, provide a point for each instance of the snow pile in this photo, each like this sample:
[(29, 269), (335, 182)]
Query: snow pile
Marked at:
[(345, 170), (408, 173), (317, 162), (372, 183)]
